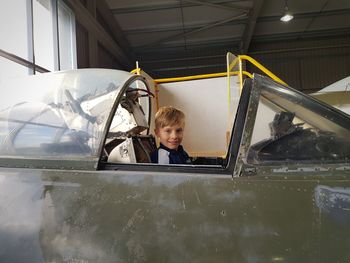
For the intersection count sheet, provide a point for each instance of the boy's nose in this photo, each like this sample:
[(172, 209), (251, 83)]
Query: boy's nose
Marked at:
[(173, 135)]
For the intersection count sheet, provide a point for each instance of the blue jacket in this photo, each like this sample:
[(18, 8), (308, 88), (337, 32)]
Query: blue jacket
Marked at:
[(164, 155)]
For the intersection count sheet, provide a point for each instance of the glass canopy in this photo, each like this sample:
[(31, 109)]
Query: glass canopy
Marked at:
[(58, 114)]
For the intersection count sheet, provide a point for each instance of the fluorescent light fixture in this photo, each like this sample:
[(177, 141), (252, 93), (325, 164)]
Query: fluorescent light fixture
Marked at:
[(287, 15)]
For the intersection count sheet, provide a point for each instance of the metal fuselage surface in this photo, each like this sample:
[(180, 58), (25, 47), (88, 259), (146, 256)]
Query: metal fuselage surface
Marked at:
[(112, 216)]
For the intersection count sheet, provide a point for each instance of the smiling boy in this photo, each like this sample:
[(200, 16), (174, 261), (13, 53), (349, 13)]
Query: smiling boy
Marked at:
[(169, 128)]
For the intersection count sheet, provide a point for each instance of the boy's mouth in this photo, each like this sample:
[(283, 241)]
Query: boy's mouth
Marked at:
[(173, 143)]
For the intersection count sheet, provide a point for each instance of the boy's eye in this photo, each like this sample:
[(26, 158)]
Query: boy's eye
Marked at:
[(179, 130)]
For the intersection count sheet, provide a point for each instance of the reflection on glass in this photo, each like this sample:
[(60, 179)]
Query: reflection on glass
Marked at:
[(57, 114), (290, 127)]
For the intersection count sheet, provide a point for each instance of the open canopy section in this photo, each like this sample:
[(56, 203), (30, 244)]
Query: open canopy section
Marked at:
[(58, 115), (287, 126)]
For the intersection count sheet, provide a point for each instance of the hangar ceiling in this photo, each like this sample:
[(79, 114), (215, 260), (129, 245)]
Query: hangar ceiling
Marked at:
[(184, 37)]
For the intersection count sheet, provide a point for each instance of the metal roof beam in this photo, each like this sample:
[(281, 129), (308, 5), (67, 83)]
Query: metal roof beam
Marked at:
[(181, 59), (115, 28), (212, 65), (221, 6), (249, 29), (157, 7), (302, 35), (162, 28), (195, 31), (216, 43)]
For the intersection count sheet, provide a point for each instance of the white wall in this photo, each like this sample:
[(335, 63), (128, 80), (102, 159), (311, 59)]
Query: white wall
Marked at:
[(205, 103)]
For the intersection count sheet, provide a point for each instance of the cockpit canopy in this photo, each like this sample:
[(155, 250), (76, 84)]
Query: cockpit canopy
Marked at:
[(65, 113)]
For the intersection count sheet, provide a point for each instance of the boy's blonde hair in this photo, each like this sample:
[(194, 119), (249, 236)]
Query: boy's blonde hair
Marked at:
[(169, 116)]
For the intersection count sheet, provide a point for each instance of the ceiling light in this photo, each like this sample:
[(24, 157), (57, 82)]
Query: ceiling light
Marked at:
[(287, 15)]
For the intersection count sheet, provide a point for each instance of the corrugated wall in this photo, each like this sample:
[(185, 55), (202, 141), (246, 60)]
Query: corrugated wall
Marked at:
[(307, 65)]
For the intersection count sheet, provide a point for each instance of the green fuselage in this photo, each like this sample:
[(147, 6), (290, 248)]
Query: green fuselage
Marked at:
[(116, 216)]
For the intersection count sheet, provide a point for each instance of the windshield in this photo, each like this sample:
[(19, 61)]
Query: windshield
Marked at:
[(292, 127), (58, 114)]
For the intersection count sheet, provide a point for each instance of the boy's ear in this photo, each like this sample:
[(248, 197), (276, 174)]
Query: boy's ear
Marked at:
[(156, 132)]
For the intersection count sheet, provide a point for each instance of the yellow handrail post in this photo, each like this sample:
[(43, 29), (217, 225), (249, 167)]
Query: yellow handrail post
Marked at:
[(156, 90), (228, 72), (240, 75), (262, 68)]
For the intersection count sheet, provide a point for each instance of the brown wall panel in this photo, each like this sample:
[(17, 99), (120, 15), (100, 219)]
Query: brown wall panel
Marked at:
[(82, 46), (106, 59), (84, 2), (91, 33)]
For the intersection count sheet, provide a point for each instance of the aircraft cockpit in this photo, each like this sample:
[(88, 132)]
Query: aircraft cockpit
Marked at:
[(128, 139)]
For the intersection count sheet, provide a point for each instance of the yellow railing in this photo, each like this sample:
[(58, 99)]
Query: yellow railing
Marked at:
[(136, 71), (240, 73), (203, 76), (262, 68), (239, 60)]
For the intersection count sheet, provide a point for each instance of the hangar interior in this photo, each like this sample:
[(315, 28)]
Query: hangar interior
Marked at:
[(178, 37)]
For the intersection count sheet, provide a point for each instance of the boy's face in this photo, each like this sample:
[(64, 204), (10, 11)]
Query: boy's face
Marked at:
[(170, 136)]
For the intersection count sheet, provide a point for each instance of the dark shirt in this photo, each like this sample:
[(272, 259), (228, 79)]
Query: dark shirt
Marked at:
[(164, 155)]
